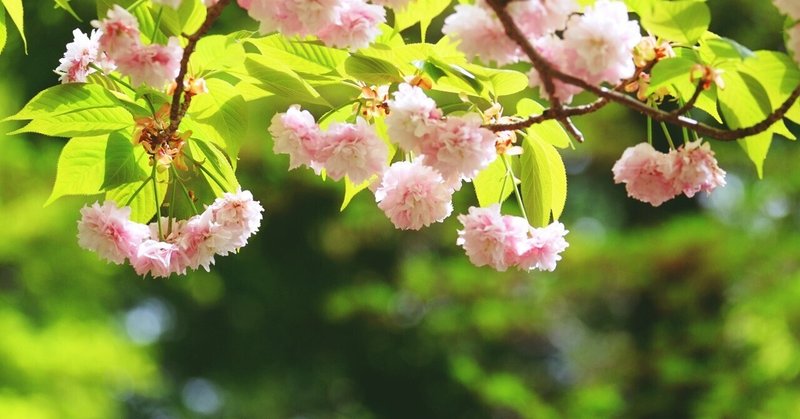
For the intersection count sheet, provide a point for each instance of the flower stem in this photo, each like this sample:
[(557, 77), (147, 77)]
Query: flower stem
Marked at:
[(171, 209), (667, 134), (139, 189), (185, 191), (134, 5), (158, 22), (510, 172), (206, 172), (155, 195), (650, 130)]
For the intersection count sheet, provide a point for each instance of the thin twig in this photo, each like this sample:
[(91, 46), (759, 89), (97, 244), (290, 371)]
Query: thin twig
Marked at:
[(690, 103), (176, 110)]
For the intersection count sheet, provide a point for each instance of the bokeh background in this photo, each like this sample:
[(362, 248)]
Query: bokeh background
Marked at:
[(691, 309)]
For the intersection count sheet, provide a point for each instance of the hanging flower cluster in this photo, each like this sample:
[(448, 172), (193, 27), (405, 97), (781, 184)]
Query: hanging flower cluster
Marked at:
[(116, 44), (655, 177), (170, 246), (503, 241)]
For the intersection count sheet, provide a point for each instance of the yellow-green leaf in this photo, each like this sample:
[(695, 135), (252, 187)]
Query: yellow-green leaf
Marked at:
[(15, 11)]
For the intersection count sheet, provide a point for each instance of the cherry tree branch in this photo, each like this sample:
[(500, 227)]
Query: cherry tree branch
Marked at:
[(549, 73), (178, 110)]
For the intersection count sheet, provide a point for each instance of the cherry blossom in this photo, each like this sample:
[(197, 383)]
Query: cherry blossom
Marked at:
[(491, 239), (542, 249), (120, 31), (537, 18), (413, 195), (153, 65), (157, 258), (355, 25), (696, 168), (647, 174), (108, 231), (353, 150), (412, 117), (603, 40), (480, 34), (460, 148), (297, 134), (81, 52)]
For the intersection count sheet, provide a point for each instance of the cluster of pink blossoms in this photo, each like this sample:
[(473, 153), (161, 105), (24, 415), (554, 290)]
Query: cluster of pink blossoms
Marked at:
[(502, 241), (175, 4), (655, 177), (596, 46), (222, 228), (117, 44), (412, 194), (351, 24)]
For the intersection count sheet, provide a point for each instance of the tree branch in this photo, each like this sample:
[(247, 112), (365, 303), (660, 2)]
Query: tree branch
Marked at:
[(177, 111), (548, 73)]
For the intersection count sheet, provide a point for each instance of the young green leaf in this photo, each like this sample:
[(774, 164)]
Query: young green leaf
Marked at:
[(303, 57), (682, 21), (17, 15), (544, 182), (81, 167), (64, 4), (223, 114), (493, 184), (216, 168), (279, 79), (422, 11), (372, 70), (549, 131), (66, 98), (3, 31), (85, 122), (141, 198)]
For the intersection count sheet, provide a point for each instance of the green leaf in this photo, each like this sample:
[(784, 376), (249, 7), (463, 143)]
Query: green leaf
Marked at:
[(66, 98), (81, 167), (669, 72), (3, 31), (222, 113), (143, 205), (92, 165), (778, 75), (372, 70), (276, 78), (682, 21), (715, 49), (422, 11), (301, 56), (549, 131), (214, 53), (351, 190), (85, 122), (507, 82), (493, 184), (217, 170), (15, 11), (744, 102), (64, 4), (544, 181)]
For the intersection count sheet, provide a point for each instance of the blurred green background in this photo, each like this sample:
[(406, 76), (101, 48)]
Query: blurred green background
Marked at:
[(691, 309)]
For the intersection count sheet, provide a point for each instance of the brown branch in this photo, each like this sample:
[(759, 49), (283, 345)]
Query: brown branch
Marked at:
[(690, 103), (177, 111), (548, 72)]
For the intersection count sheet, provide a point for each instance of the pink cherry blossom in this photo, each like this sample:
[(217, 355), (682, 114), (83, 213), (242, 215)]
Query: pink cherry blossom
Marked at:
[(291, 17), (542, 248), (491, 239), (296, 133), (460, 148), (108, 231), (562, 58), (81, 52), (237, 217), (537, 18), (696, 168), (603, 39), (790, 8), (355, 25), (353, 150), (120, 31), (647, 173), (156, 258), (413, 195), (198, 241), (480, 34), (153, 65), (412, 117), (245, 4)]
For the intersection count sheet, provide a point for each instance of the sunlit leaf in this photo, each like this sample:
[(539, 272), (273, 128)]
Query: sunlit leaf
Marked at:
[(493, 184), (16, 13), (682, 21)]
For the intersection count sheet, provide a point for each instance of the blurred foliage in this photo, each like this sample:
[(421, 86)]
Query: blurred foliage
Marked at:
[(686, 310)]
